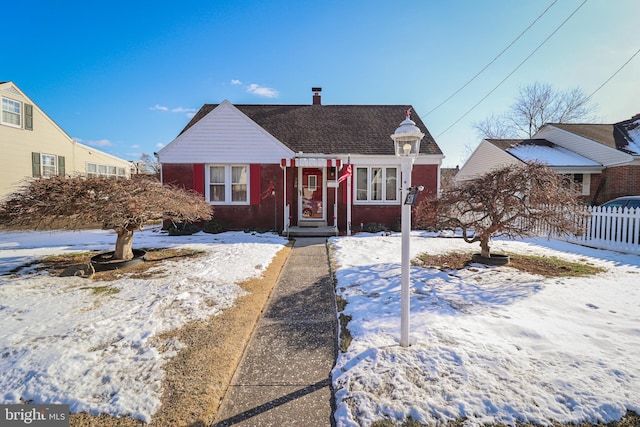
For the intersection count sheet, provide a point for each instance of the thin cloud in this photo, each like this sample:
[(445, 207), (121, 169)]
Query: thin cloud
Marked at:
[(184, 110), (100, 143), (265, 92), (158, 107), (236, 82), (160, 145)]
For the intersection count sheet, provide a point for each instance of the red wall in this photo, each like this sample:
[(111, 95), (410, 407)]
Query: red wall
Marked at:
[(259, 215), (387, 215), (266, 211)]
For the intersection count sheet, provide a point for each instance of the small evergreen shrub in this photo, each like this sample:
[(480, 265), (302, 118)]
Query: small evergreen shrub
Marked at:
[(182, 229), (214, 226)]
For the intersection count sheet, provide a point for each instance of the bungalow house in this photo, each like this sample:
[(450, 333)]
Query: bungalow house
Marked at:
[(603, 158), (280, 166), (33, 145)]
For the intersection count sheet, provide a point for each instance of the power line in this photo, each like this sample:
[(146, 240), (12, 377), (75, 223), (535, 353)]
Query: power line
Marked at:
[(491, 62), (514, 70), (614, 74)]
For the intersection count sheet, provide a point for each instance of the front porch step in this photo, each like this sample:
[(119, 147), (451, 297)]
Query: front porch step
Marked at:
[(311, 223), (324, 231)]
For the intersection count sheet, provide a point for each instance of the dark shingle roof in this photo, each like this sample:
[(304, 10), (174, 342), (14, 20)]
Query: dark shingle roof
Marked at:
[(331, 129)]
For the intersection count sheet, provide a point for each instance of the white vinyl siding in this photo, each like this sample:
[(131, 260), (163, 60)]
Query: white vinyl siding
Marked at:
[(376, 185), (485, 158), (11, 112), (227, 184), (225, 136)]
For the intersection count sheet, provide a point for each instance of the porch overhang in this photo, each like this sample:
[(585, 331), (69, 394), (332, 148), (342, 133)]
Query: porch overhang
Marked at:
[(310, 162)]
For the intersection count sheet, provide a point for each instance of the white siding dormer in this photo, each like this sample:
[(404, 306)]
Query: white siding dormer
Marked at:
[(485, 158), (225, 135)]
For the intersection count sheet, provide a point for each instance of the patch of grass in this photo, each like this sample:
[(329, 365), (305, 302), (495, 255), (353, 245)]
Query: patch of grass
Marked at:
[(384, 423), (56, 264), (534, 264), (341, 303), (631, 419), (345, 335), (448, 261), (552, 266), (106, 290), (409, 422)]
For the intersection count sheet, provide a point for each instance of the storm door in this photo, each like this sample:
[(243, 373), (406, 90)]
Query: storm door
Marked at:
[(312, 194)]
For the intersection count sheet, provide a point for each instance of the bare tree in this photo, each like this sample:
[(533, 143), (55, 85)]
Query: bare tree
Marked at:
[(536, 105), (509, 202), (117, 204), (495, 126), (147, 165)]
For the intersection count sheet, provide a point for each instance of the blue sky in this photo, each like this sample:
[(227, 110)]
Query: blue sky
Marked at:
[(124, 76)]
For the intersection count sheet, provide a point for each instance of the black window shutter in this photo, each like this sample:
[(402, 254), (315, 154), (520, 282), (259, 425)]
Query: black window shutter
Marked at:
[(28, 116), (60, 165), (35, 164)]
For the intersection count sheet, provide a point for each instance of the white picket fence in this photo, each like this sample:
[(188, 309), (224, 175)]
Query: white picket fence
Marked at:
[(610, 228)]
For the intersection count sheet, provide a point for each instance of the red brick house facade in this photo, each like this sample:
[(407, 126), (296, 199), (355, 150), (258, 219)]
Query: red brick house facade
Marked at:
[(279, 166)]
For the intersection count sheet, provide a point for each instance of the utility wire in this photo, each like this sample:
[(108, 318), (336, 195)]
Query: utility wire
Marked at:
[(491, 62), (514, 70), (614, 74)]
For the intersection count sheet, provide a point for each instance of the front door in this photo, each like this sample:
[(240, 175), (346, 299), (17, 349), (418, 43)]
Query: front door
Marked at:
[(312, 194)]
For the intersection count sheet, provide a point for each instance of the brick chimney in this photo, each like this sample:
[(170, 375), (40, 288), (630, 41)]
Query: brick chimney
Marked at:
[(317, 99)]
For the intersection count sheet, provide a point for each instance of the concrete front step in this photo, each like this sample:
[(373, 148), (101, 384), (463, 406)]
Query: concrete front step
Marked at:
[(297, 231)]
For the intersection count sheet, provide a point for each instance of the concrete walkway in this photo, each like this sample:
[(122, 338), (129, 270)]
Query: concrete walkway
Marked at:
[(284, 378)]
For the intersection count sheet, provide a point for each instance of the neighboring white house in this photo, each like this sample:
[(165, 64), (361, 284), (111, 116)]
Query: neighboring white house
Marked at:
[(33, 145), (603, 158)]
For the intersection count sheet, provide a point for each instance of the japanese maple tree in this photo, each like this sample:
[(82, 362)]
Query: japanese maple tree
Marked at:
[(511, 201), (122, 205)]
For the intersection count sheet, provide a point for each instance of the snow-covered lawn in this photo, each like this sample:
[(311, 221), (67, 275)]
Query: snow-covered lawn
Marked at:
[(63, 342), (491, 344)]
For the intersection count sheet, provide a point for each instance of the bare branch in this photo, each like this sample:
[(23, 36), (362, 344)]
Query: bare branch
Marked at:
[(510, 202), (122, 205)]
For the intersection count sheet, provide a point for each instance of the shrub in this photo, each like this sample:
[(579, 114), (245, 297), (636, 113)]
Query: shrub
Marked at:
[(214, 226)]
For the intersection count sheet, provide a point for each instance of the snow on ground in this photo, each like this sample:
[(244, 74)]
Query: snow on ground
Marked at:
[(488, 343), (64, 340)]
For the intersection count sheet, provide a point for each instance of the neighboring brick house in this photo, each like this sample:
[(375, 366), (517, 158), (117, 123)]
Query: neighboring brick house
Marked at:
[(33, 145), (278, 166), (604, 158)]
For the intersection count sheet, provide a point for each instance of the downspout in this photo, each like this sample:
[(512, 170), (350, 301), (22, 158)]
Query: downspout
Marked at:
[(348, 189), (285, 207)]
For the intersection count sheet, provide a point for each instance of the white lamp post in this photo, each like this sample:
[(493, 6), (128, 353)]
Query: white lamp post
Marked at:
[(407, 140)]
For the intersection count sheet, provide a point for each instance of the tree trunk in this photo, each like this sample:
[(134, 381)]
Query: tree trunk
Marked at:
[(484, 247), (124, 244)]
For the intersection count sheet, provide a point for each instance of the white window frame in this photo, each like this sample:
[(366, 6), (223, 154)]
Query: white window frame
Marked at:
[(385, 200), (228, 185), (42, 165), (106, 170), (20, 113)]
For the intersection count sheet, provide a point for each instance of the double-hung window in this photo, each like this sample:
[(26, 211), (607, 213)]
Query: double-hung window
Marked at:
[(49, 165), (11, 112), (377, 185), (227, 184)]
